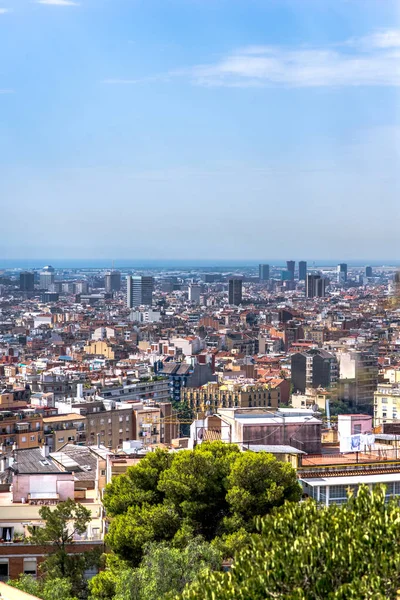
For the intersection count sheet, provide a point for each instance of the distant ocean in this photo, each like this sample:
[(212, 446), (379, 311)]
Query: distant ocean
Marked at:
[(167, 264)]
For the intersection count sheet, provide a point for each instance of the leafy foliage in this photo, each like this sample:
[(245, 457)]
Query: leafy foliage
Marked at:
[(163, 572), (52, 589), (61, 524), (213, 490), (308, 552)]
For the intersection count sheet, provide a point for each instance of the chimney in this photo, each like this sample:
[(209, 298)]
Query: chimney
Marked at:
[(79, 390), (98, 440), (45, 451)]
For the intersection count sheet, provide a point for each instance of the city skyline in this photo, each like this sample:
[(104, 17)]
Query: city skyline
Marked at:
[(202, 123)]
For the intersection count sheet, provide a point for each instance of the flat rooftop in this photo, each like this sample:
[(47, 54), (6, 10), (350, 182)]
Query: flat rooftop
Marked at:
[(351, 479)]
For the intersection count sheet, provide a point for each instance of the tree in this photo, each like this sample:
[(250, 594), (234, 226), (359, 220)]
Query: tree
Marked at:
[(128, 533), (62, 523), (52, 589), (164, 571), (257, 483), (196, 485), (139, 485), (309, 552), (184, 413), (206, 491)]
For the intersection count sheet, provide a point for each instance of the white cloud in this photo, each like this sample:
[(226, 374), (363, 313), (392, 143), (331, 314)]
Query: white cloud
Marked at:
[(58, 2), (3, 11), (369, 61), (6, 91)]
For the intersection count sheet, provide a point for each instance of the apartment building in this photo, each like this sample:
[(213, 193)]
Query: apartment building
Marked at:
[(59, 430), (23, 428), (386, 403), (213, 396), (358, 378)]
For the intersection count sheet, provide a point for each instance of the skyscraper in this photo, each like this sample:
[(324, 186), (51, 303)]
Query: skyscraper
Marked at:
[(235, 291), (315, 286), (26, 281), (290, 265), (263, 272), (368, 271), (302, 270), (46, 277), (342, 273), (139, 290), (112, 281), (194, 293)]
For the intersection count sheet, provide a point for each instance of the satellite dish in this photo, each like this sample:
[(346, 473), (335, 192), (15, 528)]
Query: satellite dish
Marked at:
[(315, 408)]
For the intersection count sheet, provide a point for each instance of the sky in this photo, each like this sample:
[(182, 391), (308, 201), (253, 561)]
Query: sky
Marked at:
[(200, 129)]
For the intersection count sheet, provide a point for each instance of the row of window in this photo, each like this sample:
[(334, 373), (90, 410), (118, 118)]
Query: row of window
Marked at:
[(30, 568)]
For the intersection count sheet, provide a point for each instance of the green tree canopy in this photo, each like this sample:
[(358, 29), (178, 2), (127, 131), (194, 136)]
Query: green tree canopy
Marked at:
[(139, 485), (163, 572), (207, 491), (308, 552), (52, 589)]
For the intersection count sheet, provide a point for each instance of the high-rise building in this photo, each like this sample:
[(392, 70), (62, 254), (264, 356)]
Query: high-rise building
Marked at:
[(26, 281), (235, 291), (139, 290), (358, 378), (194, 293), (46, 277), (263, 272), (314, 368), (302, 270), (368, 271), (315, 286), (112, 281), (290, 265), (342, 273)]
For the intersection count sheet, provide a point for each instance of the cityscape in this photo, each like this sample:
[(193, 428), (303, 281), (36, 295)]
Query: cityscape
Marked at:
[(199, 300), (101, 368)]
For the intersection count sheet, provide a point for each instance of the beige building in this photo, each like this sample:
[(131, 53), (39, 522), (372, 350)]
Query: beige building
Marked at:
[(63, 429), (212, 396), (386, 403), (100, 348), (312, 397)]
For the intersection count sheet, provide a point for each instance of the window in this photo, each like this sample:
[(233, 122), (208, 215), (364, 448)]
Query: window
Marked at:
[(357, 428), (127, 418), (23, 439), (121, 419), (109, 420), (101, 421), (3, 569), (7, 533), (102, 472), (120, 431), (30, 566), (33, 438), (61, 440)]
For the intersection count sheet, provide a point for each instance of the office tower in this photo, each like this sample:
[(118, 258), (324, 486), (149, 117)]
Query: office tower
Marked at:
[(358, 378), (263, 272), (312, 369), (342, 273), (368, 271), (315, 286), (112, 281), (194, 293), (139, 290), (46, 277), (302, 270), (81, 287), (235, 291), (290, 265), (26, 281)]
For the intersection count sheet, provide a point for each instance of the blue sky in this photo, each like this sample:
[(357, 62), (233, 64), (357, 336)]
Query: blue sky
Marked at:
[(250, 129)]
